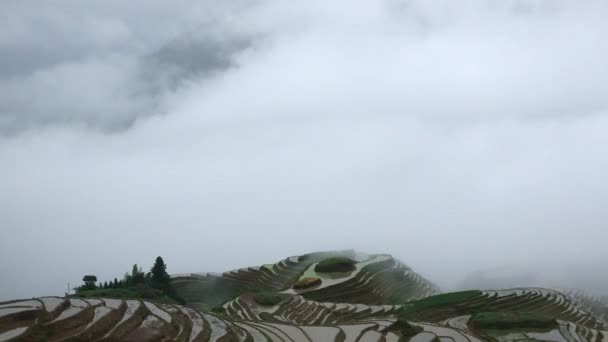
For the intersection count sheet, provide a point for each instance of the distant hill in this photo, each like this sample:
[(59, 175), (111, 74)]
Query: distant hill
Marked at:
[(325, 296), (568, 275)]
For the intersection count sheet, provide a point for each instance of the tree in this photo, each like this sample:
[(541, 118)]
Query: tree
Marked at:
[(105, 284), (89, 281), (137, 276), (127, 279), (159, 277), (115, 283)]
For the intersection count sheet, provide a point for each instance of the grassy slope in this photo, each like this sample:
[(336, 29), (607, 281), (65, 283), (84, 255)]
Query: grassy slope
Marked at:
[(135, 292), (206, 294), (441, 300)]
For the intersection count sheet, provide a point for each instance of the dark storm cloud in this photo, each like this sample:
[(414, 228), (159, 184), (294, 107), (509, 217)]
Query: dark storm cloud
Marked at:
[(456, 135), (191, 56), (102, 66)]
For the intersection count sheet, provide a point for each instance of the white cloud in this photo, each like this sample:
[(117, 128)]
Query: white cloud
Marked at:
[(448, 133)]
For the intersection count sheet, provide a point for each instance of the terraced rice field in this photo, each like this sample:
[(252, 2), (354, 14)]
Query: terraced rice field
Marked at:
[(539, 301), (382, 300)]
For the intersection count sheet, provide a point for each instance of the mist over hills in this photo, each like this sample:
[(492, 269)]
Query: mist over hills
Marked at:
[(321, 296), (456, 136), (565, 276)]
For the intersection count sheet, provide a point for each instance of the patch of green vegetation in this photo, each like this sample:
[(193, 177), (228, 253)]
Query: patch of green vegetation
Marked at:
[(154, 285), (336, 264), (135, 292), (205, 294), (511, 320), (318, 256), (444, 299), (267, 298), (306, 283), (404, 328)]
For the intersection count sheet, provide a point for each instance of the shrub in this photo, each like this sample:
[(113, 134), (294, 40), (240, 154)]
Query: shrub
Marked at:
[(511, 320), (306, 283), (267, 298), (336, 264)]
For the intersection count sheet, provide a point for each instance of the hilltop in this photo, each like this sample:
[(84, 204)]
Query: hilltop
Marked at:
[(324, 296)]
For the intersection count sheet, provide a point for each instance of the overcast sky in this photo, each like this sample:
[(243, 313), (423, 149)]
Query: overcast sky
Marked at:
[(456, 135)]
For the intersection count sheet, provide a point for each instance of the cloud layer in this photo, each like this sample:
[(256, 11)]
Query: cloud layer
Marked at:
[(455, 135)]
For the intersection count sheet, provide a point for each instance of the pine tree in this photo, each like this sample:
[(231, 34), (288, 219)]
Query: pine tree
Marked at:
[(105, 284), (115, 283), (160, 277)]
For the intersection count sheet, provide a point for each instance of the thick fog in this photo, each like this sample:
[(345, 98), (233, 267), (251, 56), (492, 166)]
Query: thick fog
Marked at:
[(461, 137)]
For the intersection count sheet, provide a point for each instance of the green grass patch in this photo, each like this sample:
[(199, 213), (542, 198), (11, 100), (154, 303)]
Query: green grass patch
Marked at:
[(336, 264), (267, 298), (206, 293), (511, 320), (135, 292), (318, 256), (441, 300)]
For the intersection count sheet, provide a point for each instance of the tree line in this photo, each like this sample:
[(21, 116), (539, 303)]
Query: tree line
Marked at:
[(157, 278)]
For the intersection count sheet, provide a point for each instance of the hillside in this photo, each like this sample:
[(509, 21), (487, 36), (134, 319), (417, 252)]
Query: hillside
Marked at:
[(327, 296)]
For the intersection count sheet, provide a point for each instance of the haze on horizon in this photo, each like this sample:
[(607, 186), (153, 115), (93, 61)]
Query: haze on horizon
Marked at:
[(457, 136)]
